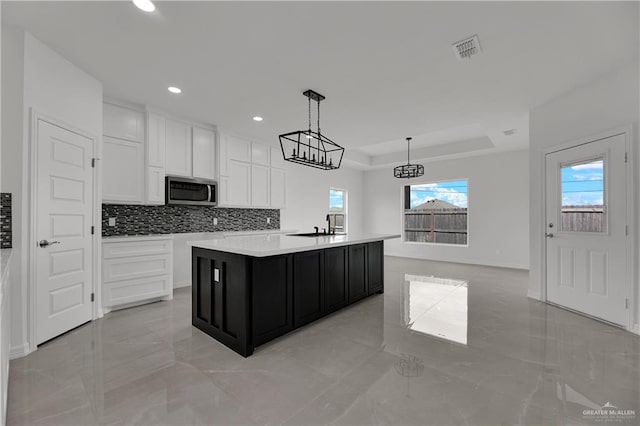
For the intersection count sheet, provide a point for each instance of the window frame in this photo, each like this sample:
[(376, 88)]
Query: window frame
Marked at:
[(426, 243), (345, 206)]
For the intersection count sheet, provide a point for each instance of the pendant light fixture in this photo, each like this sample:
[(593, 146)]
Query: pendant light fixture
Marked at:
[(311, 148), (408, 171)]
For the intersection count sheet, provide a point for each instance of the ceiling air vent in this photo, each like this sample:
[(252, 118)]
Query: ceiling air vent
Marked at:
[(467, 48), (510, 132)]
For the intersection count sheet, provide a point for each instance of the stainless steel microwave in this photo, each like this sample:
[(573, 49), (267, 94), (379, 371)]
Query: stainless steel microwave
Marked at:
[(188, 191)]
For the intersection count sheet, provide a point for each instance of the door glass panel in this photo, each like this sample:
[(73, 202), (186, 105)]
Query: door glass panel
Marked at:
[(583, 200)]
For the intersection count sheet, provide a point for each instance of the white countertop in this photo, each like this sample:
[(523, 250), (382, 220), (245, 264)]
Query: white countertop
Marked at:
[(210, 235), (274, 244)]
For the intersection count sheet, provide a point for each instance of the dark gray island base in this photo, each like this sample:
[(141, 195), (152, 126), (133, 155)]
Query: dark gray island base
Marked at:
[(244, 301)]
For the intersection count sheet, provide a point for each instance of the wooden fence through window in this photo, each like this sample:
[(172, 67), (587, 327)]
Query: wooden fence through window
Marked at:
[(445, 226)]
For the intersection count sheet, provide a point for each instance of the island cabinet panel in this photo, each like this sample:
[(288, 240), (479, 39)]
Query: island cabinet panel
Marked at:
[(245, 301), (375, 267), (357, 272), (308, 287), (221, 298), (336, 292), (271, 298)]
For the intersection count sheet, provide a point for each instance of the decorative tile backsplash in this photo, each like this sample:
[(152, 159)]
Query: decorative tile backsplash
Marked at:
[(5, 220), (145, 220)]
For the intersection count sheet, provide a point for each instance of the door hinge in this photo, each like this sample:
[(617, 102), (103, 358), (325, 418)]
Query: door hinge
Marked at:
[(93, 297), (93, 229), (93, 162), (626, 230), (626, 303), (626, 157)]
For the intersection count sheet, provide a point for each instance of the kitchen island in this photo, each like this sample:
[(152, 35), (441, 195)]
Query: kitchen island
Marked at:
[(247, 290)]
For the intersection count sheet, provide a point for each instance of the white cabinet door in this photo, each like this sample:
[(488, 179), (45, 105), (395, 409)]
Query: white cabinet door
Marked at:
[(259, 185), (156, 138), (278, 188), (239, 183), (123, 171), (136, 270), (238, 149), (178, 149), (204, 148), (276, 158), (259, 154), (223, 191), (155, 185), (123, 123), (223, 154)]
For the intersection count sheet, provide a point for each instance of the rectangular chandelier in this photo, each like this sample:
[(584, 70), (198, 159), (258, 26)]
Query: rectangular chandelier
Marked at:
[(311, 148)]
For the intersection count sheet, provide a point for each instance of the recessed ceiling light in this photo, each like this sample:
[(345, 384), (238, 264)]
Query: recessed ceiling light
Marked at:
[(257, 118), (173, 89), (145, 5)]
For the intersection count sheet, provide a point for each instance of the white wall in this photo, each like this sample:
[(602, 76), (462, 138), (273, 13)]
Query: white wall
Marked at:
[(12, 147), (56, 88), (308, 197), (606, 103), (498, 209)]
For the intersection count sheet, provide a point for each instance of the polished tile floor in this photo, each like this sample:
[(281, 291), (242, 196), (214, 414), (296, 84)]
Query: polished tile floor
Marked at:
[(492, 357)]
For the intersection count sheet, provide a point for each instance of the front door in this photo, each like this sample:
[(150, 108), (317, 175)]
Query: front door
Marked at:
[(586, 228), (64, 196)]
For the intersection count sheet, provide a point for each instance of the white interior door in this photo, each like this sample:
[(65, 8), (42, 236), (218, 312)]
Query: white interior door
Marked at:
[(64, 196), (586, 228)]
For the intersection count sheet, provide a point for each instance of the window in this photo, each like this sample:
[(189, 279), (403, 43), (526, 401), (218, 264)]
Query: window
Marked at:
[(583, 196), (436, 212), (337, 209)]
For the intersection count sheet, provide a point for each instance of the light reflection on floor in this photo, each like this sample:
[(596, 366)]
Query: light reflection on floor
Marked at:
[(436, 306)]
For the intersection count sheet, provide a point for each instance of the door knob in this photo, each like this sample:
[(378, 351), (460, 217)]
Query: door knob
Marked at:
[(549, 235), (45, 243)]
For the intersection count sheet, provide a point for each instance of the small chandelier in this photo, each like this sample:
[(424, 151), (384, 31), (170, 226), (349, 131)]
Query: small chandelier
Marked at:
[(311, 148), (408, 171)]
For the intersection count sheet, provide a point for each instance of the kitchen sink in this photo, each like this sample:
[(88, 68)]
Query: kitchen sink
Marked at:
[(311, 234)]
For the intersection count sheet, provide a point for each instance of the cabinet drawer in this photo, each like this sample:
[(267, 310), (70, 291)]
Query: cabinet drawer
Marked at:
[(129, 291), (135, 248), (126, 268)]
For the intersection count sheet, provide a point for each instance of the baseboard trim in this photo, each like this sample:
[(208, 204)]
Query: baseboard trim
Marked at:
[(19, 351), (465, 261), (635, 329), (180, 285), (534, 295)]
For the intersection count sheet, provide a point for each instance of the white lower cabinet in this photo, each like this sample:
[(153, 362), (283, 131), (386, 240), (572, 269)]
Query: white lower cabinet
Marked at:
[(135, 270), (5, 343)]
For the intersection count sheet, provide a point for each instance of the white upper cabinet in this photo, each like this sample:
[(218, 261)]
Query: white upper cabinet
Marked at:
[(178, 148), (276, 158), (123, 151), (156, 140), (250, 174), (204, 149), (123, 123), (238, 192), (259, 185), (122, 171), (238, 149), (155, 185), (259, 154), (278, 188)]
